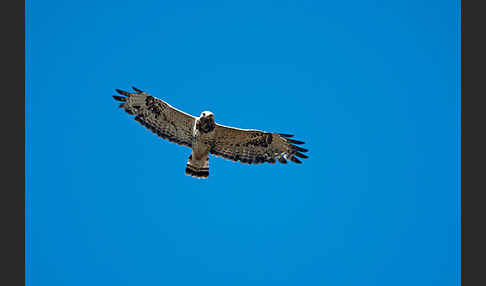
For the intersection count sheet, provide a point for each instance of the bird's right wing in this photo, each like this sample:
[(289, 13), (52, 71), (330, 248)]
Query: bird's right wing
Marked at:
[(255, 146), (158, 116)]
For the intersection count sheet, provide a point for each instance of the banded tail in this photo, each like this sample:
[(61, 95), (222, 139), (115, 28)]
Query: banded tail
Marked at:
[(198, 168)]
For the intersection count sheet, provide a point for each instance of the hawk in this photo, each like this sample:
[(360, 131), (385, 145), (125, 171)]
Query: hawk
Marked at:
[(205, 137)]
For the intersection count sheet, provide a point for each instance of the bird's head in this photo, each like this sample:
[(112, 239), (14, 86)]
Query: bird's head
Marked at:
[(207, 115), (206, 122)]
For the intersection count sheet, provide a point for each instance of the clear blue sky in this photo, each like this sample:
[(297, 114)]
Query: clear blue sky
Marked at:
[(370, 86)]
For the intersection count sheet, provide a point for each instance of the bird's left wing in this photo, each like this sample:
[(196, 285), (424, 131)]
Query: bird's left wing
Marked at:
[(158, 116), (255, 146)]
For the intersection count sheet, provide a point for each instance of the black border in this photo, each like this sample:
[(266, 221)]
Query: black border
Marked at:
[(13, 143), (473, 144)]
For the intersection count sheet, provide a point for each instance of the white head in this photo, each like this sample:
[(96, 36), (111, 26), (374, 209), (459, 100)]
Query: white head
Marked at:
[(207, 114), (206, 122)]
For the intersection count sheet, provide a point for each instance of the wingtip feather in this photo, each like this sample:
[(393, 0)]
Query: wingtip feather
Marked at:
[(295, 160), (119, 98), (295, 141), (298, 154), (300, 149), (137, 90), (122, 92)]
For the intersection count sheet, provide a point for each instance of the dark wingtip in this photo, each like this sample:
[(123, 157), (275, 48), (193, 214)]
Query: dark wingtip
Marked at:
[(298, 154), (285, 135), (295, 141), (295, 160), (122, 92), (300, 149), (119, 98), (137, 90)]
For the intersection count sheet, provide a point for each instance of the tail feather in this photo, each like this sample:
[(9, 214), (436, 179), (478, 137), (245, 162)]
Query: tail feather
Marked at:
[(198, 173), (198, 168)]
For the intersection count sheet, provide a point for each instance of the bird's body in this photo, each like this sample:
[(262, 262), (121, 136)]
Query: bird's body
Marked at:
[(203, 133), (204, 136)]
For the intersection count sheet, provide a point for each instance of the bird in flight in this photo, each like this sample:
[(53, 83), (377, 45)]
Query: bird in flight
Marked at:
[(204, 136)]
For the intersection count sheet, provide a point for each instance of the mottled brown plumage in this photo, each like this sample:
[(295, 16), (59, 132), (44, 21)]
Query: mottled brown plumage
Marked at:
[(205, 137)]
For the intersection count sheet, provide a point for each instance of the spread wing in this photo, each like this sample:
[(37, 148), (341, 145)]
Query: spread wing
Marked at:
[(158, 116), (255, 146)]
